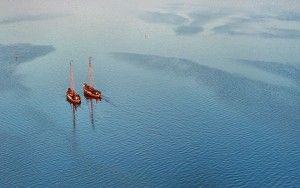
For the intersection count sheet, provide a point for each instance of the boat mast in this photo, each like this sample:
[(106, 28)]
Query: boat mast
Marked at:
[(90, 71), (71, 77)]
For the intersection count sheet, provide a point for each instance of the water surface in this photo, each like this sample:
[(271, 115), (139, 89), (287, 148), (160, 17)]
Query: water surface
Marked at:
[(195, 95)]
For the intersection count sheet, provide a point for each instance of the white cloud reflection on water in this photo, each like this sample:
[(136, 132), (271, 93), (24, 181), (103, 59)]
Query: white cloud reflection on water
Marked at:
[(235, 22)]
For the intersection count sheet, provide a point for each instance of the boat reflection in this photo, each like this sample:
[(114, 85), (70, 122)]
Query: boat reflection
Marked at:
[(74, 144), (91, 111), (74, 108), (90, 102)]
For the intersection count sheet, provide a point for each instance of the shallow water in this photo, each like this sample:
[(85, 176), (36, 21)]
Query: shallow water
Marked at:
[(182, 107)]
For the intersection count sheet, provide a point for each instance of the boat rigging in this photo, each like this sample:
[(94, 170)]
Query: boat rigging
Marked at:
[(88, 89), (71, 95)]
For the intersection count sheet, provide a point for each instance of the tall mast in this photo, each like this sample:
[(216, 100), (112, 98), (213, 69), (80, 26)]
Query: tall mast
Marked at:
[(90, 71), (71, 77)]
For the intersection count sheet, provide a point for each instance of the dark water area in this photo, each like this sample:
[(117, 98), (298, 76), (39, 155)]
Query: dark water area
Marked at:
[(11, 56), (286, 70), (186, 106)]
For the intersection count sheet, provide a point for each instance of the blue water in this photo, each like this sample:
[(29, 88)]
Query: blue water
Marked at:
[(193, 97)]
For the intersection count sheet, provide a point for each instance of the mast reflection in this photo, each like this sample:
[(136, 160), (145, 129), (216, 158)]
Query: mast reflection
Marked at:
[(74, 108), (90, 102), (91, 111), (74, 146)]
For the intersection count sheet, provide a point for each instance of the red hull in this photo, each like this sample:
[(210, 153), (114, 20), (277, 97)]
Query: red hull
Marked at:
[(73, 97), (91, 92)]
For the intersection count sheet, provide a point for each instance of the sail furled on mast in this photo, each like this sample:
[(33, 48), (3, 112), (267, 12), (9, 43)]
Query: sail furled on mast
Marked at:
[(90, 72), (72, 83), (89, 90), (71, 95)]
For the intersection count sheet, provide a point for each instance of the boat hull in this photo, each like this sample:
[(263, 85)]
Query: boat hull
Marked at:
[(73, 101), (73, 97), (95, 94)]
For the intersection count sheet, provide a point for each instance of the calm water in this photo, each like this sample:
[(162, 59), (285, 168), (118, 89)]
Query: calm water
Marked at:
[(196, 95)]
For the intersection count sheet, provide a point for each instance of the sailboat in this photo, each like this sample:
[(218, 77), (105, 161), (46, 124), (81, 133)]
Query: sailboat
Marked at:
[(88, 89), (71, 94)]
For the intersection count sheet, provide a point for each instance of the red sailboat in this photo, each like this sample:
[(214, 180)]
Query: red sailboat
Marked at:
[(88, 89), (71, 95)]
